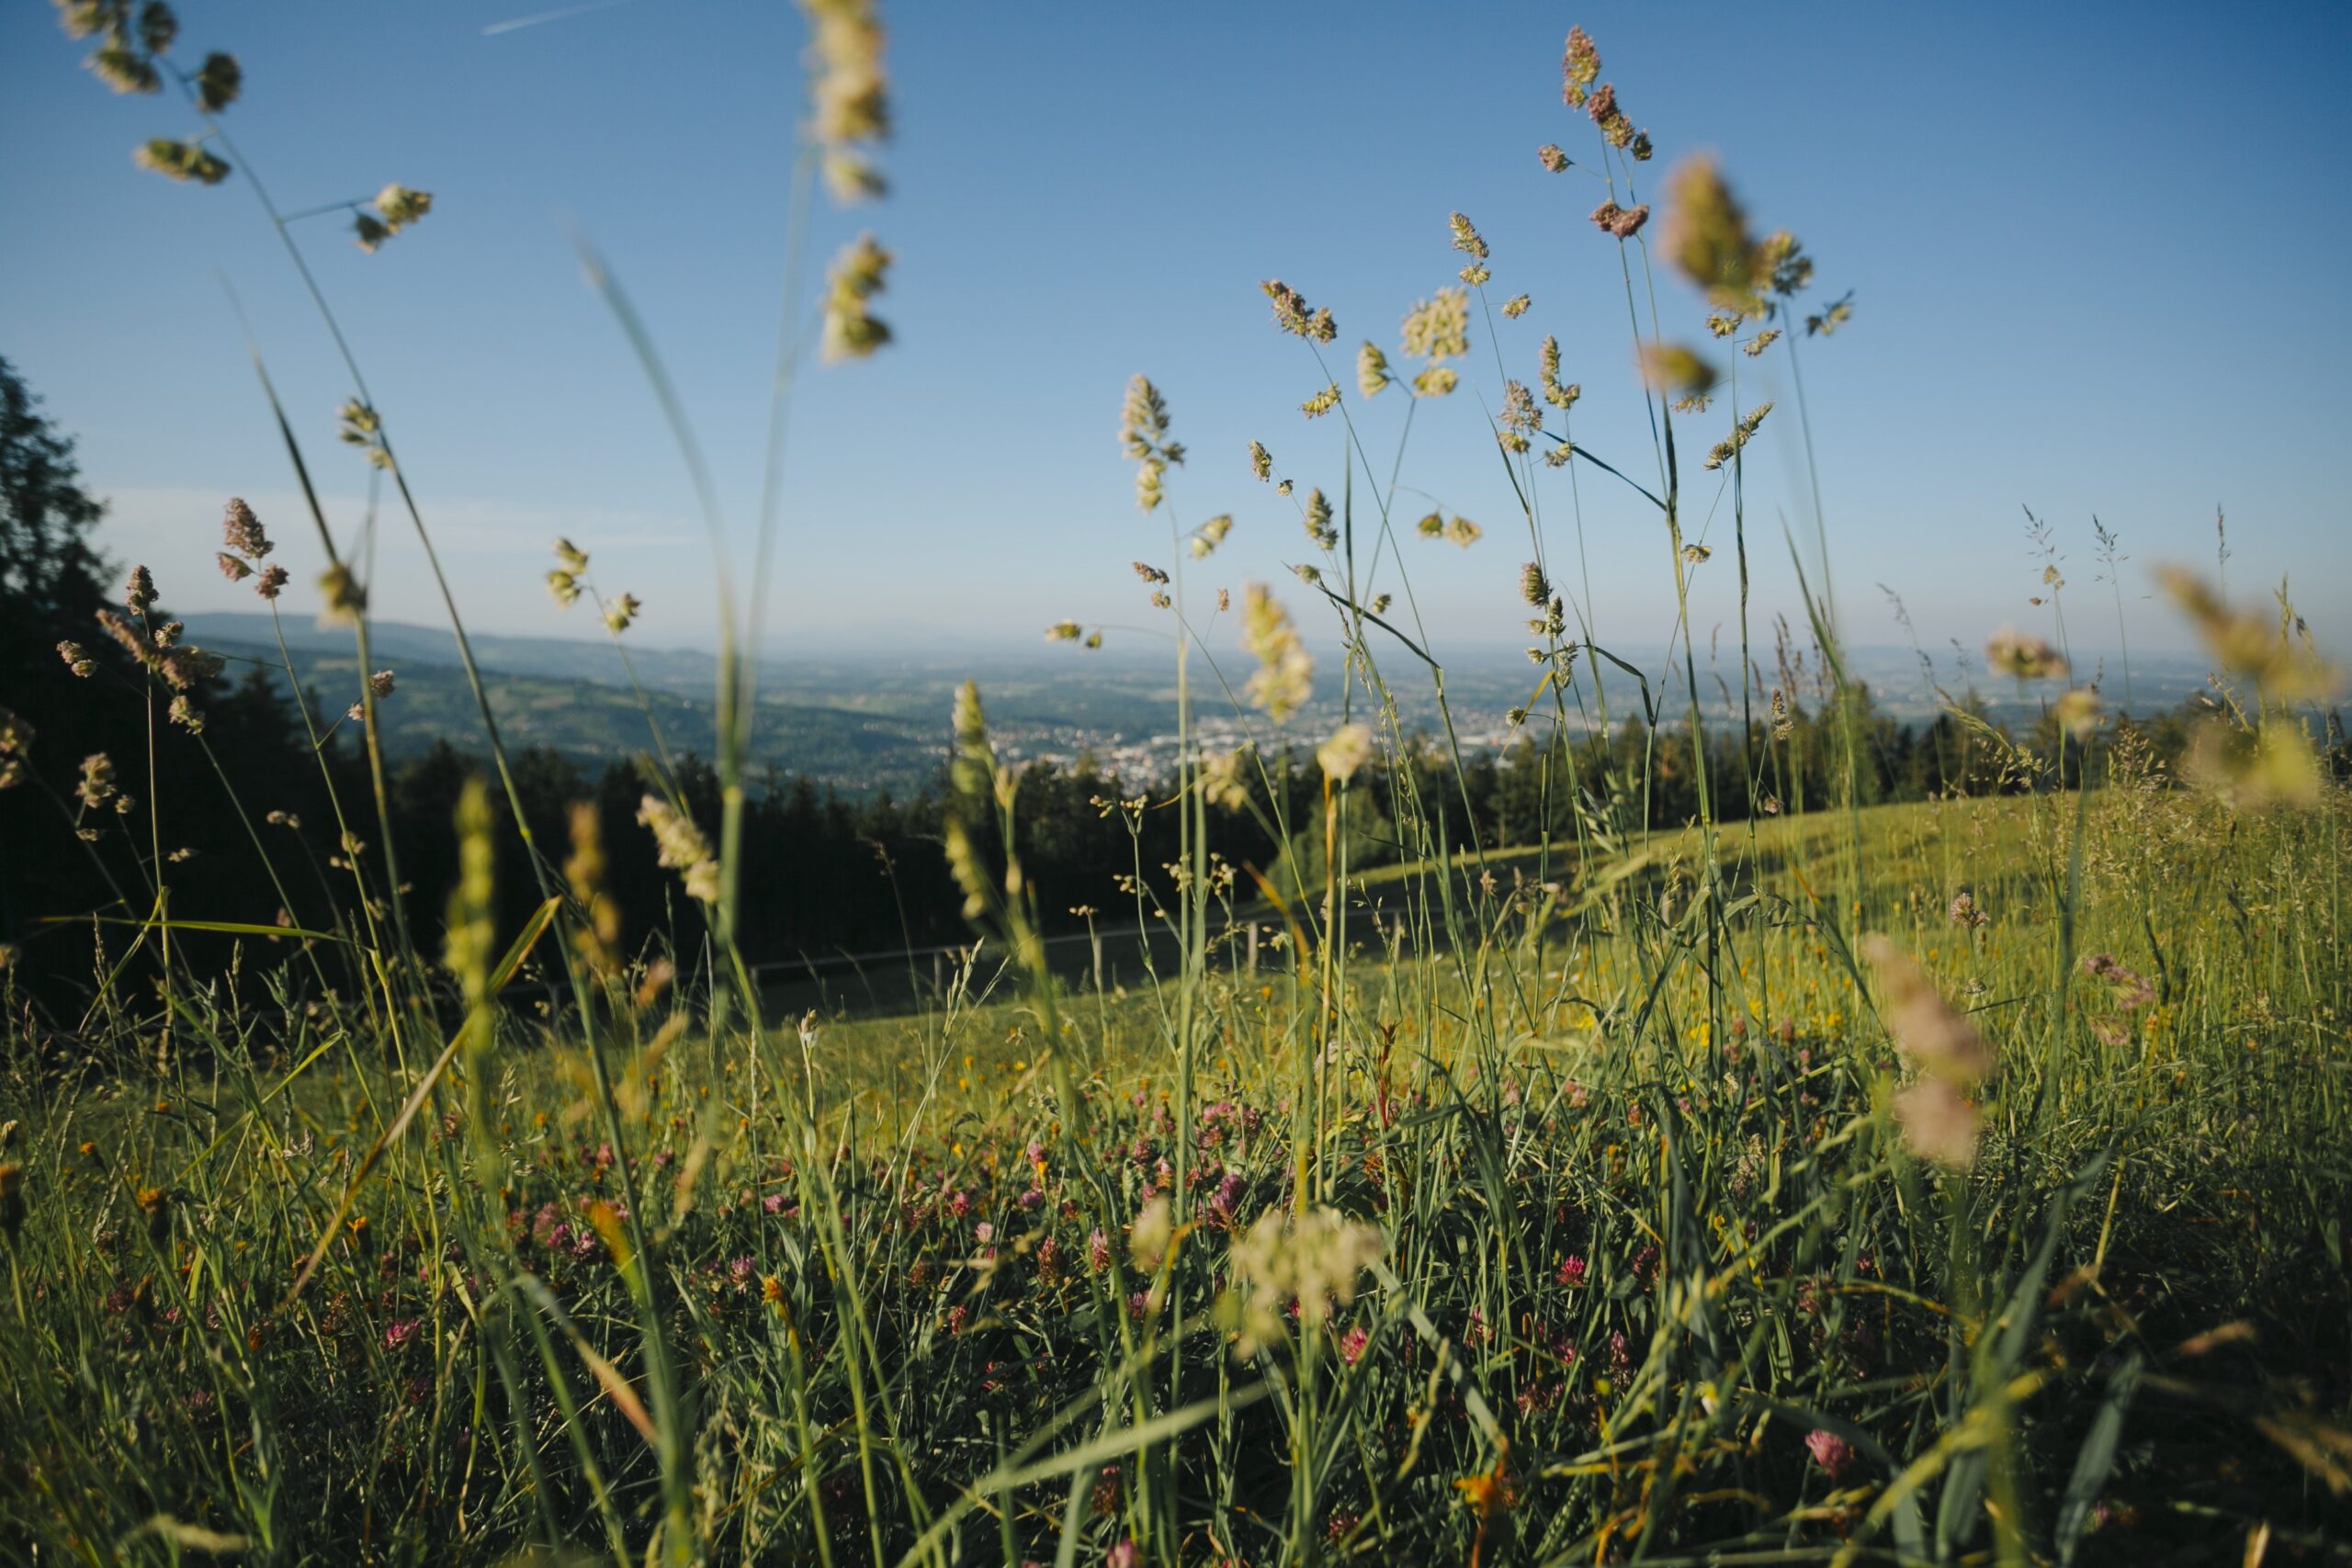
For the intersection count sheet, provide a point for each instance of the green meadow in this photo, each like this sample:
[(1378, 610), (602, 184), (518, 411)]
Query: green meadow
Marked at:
[(1730, 1165)]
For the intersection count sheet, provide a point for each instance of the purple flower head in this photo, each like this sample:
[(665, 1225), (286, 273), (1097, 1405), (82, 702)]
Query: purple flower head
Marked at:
[(1226, 1199), (1833, 1453)]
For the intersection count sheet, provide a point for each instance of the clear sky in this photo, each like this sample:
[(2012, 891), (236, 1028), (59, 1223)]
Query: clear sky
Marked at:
[(2097, 253)]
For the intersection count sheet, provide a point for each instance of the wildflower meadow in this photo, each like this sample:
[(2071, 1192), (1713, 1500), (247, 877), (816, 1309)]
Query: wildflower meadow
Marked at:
[(1726, 1154)]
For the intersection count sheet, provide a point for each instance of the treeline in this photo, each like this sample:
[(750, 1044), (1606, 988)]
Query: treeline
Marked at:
[(245, 818)]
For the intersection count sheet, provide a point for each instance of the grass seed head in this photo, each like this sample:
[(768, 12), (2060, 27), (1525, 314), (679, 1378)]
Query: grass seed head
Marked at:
[(681, 847), (219, 81), (1310, 1262), (1345, 753), (97, 785), (1286, 674), (2284, 666), (341, 598), (1316, 516), (848, 88), (1931, 1035), (850, 329), (1579, 68), (1937, 1124), (187, 161), (1706, 237), (2013, 652), (1467, 238), (1293, 315), (1438, 328), (1676, 370), (242, 532)]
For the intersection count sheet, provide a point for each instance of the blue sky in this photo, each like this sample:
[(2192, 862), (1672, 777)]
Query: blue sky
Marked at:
[(2096, 254)]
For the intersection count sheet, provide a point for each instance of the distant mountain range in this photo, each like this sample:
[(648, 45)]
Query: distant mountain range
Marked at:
[(862, 724)]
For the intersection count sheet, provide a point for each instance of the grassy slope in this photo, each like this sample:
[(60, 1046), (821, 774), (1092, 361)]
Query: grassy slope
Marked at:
[(1509, 1113)]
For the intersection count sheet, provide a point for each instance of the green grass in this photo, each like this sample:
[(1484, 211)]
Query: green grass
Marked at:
[(1730, 1194), (1746, 1219)]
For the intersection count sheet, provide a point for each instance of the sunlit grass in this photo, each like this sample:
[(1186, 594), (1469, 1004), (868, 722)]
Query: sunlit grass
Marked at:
[(1625, 1196)]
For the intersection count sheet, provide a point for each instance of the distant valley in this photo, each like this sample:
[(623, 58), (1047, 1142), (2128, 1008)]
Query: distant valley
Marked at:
[(860, 725)]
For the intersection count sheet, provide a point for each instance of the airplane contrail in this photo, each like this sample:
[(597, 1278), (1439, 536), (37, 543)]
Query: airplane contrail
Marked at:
[(555, 16)]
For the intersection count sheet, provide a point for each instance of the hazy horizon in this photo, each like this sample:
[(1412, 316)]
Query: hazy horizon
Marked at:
[(880, 648)]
